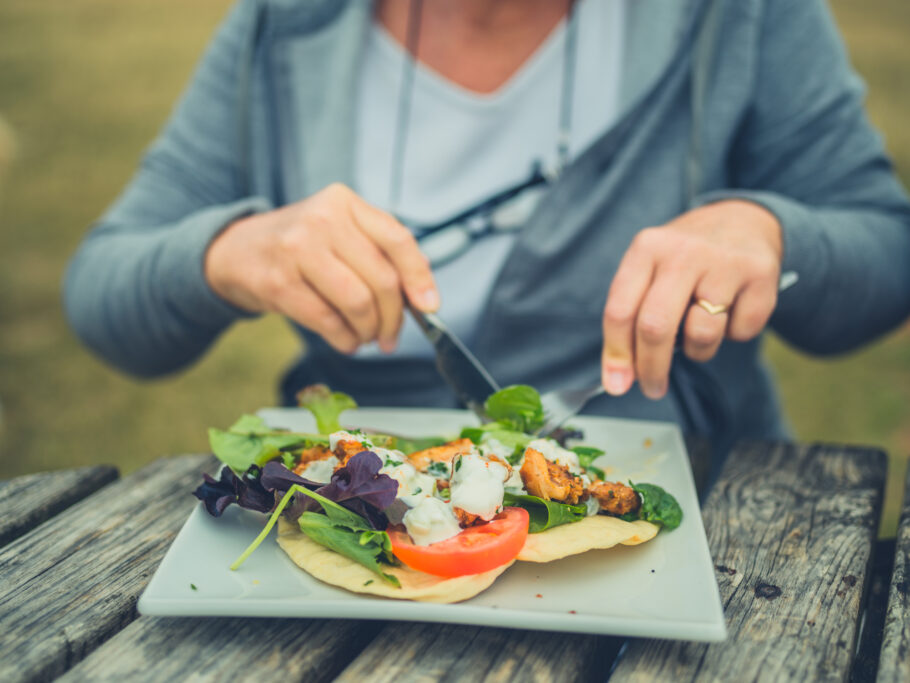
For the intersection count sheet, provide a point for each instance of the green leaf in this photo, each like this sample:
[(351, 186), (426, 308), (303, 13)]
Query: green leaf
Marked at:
[(658, 506), (364, 547), (517, 406), (250, 441), (586, 456), (408, 445), (545, 514), (326, 406)]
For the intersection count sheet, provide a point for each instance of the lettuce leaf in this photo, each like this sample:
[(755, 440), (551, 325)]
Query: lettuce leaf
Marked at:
[(586, 456), (246, 491), (518, 407), (545, 514), (250, 441), (326, 406)]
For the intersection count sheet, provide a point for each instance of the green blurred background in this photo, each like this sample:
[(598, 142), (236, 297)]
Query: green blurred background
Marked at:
[(85, 85)]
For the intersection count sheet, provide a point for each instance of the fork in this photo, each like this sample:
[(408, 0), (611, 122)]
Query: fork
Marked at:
[(559, 406)]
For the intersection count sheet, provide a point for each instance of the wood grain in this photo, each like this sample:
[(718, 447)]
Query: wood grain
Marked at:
[(894, 663), (791, 530), (71, 583), (161, 649), (28, 501), (432, 652)]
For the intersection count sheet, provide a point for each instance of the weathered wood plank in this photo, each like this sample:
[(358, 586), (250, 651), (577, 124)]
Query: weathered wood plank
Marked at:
[(27, 501), (430, 652), (161, 649), (791, 530), (894, 664), (72, 582)]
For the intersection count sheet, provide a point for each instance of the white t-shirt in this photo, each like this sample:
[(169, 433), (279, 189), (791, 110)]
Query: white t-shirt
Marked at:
[(462, 147)]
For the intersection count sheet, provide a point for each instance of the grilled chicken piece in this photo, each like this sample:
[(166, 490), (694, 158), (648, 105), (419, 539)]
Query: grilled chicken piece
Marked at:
[(309, 455), (615, 498), (346, 449), (444, 453), (550, 481), (466, 519)]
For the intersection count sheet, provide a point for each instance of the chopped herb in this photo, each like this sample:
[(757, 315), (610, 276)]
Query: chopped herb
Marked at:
[(390, 463), (368, 582), (417, 490), (438, 469), (193, 586), (458, 464), (445, 493)]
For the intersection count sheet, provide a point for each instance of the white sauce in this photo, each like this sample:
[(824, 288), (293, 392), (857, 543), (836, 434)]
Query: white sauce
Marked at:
[(413, 486), (553, 452), (477, 486), (320, 470), (593, 506), (430, 521), (335, 437)]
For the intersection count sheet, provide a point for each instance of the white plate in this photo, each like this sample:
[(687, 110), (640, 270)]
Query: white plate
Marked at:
[(663, 589)]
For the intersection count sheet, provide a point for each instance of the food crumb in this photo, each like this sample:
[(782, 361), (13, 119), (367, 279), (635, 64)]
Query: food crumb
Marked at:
[(648, 443), (572, 611), (538, 596), (255, 582), (193, 586), (652, 571), (368, 582)]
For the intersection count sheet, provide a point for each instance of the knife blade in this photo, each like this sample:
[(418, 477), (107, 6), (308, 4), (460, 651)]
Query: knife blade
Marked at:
[(463, 373)]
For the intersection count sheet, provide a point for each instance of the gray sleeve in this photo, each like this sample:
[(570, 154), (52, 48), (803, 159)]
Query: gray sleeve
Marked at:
[(135, 291), (807, 153)]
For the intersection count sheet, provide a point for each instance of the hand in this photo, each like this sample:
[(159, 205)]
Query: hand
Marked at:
[(728, 253), (332, 263)]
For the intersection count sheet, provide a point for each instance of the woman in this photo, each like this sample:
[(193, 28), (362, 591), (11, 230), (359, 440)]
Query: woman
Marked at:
[(583, 189)]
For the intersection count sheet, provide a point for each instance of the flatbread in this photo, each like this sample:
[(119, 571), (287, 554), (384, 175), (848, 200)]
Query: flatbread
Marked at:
[(337, 570), (597, 531)]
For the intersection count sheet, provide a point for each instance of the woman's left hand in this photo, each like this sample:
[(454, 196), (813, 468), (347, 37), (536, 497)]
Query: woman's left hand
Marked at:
[(714, 271)]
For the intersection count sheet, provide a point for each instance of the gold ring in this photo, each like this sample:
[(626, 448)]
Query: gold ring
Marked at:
[(713, 309)]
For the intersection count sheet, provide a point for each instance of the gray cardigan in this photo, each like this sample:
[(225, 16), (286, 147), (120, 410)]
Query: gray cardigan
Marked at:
[(749, 99)]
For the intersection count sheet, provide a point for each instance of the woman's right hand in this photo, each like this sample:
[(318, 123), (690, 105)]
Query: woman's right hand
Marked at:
[(332, 262)]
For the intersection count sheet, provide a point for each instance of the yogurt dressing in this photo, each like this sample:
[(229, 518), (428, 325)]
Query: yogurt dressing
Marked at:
[(430, 521), (477, 485)]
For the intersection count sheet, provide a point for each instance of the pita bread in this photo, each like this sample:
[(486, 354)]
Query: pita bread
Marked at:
[(337, 570), (598, 531)]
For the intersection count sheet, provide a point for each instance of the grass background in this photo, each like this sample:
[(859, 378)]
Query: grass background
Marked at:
[(85, 86)]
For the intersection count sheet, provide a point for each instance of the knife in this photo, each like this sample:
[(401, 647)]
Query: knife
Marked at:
[(463, 373)]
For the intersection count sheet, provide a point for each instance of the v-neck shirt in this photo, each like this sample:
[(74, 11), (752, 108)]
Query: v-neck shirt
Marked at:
[(463, 146)]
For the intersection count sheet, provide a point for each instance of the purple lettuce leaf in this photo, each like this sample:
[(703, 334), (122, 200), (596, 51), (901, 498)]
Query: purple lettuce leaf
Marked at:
[(247, 492)]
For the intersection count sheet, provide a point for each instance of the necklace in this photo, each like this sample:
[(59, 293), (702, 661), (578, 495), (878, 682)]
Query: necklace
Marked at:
[(409, 69)]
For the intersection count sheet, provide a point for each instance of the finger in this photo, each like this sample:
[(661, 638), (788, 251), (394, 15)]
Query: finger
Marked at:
[(303, 305), (400, 247), (365, 259), (657, 324), (704, 332), (344, 291), (754, 306), (623, 301)]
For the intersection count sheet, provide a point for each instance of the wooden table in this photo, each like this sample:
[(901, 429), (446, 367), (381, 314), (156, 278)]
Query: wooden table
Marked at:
[(792, 530)]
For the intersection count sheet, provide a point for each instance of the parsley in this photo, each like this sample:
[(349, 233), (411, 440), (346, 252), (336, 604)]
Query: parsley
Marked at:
[(438, 469), (193, 586), (390, 463), (458, 464), (416, 491), (368, 582)]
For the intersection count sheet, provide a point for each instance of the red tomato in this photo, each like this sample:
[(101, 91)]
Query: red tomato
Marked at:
[(476, 549)]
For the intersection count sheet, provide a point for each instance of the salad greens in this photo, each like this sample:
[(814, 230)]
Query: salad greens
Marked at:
[(586, 457), (516, 407), (545, 514), (657, 506), (326, 406), (250, 441)]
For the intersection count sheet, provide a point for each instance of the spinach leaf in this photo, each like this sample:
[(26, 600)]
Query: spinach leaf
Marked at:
[(249, 441), (586, 456), (502, 432), (518, 407), (325, 405), (545, 514), (658, 506)]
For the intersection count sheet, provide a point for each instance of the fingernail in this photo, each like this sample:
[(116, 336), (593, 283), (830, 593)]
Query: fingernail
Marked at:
[(616, 382), (387, 345), (429, 300), (654, 391)]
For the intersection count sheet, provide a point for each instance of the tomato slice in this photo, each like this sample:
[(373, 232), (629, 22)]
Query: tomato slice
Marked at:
[(476, 549)]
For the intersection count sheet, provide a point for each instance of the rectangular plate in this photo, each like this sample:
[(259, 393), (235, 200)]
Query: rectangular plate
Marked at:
[(664, 588)]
